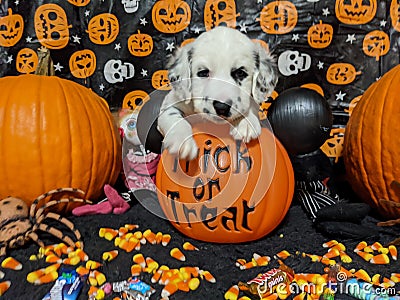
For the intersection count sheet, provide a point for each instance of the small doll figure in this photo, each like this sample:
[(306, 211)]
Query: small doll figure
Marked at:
[(139, 165)]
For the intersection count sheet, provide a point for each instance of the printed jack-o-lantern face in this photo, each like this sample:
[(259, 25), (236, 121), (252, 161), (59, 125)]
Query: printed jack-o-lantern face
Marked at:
[(27, 61), (320, 35), (352, 104), (278, 17), (263, 109), (135, 100), (333, 146), (103, 29), (140, 44), (82, 63), (376, 44), (355, 11), (11, 29), (171, 16), (79, 2), (341, 73), (395, 14), (218, 12), (51, 26), (160, 80)]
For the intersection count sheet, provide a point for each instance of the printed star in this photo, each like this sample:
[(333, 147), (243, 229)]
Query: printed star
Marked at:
[(58, 67), (16, 2), (351, 38), (144, 73), (383, 23), (325, 11), (101, 87), (10, 59), (197, 30), (28, 39), (243, 28), (170, 47), (340, 96), (295, 37), (320, 65), (87, 13), (76, 39), (117, 46), (143, 21)]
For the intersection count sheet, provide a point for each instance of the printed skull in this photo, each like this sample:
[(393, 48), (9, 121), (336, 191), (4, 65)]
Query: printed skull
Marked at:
[(118, 71), (130, 6), (292, 62)]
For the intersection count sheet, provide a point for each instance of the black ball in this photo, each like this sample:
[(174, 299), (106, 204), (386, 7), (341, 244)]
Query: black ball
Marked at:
[(301, 119), (146, 126)]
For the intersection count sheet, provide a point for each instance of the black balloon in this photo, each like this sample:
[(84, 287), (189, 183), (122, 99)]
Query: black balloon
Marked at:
[(301, 119)]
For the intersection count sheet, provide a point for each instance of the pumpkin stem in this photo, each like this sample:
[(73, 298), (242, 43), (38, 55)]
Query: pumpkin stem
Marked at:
[(45, 65)]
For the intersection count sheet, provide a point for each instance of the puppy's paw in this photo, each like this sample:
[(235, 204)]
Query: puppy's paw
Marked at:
[(248, 129), (181, 144)]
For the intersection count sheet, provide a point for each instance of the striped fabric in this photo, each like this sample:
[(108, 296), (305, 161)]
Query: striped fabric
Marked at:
[(313, 195)]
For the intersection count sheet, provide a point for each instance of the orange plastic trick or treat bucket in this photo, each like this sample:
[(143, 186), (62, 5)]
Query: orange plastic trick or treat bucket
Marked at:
[(232, 192)]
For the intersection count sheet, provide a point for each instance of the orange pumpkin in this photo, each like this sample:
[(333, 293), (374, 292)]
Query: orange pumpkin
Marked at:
[(82, 63), (233, 192), (395, 14), (27, 61), (171, 16), (55, 133), (160, 81), (11, 29), (355, 12), (218, 12), (376, 44), (140, 44), (103, 29), (371, 144), (278, 17), (320, 35), (134, 100), (341, 73)]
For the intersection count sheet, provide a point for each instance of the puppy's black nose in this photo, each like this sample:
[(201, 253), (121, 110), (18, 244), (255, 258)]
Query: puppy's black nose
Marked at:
[(222, 109)]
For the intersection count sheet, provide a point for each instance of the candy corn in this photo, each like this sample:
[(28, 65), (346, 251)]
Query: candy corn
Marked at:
[(35, 275), (344, 257), (393, 251), (283, 254), (261, 260), (232, 293), (168, 290), (4, 286), (330, 244), (109, 255), (380, 259), (363, 275), (139, 259), (159, 236), (11, 263), (46, 278), (366, 256), (92, 265), (376, 246), (136, 270), (360, 246), (108, 233), (177, 254), (81, 270), (333, 252), (207, 276), (166, 238), (151, 264), (249, 265), (189, 247), (150, 236)]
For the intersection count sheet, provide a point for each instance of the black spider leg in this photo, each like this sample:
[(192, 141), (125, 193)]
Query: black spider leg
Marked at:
[(49, 193)]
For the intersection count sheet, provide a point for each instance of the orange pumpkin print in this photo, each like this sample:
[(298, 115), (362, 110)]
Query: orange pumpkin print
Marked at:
[(355, 12), (160, 80), (333, 146), (79, 2), (27, 61), (320, 35), (220, 12), (376, 44), (219, 197), (263, 109), (341, 73), (395, 14), (103, 29), (11, 29), (82, 63), (278, 17), (51, 26), (171, 16), (134, 100), (352, 105), (140, 44)]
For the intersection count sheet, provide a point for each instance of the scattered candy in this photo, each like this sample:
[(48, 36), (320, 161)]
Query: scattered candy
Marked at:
[(366, 256), (4, 286), (207, 276), (330, 244), (109, 255), (283, 254), (166, 238), (232, 293), (139, 259), (150, 236), (393, 251), (11, 263), (380, 259), (360, 246), (177, 254), (92, 265), (189, 247)]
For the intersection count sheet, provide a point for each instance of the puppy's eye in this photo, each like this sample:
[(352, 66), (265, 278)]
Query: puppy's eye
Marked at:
[(203, 73), (239, 74)]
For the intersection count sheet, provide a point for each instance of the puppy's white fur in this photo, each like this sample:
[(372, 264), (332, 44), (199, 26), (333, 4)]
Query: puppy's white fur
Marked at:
[(222, 75)]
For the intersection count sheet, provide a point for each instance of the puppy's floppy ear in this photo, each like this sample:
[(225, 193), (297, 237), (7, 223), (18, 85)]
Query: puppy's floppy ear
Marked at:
[(266, 74), (179, 71)]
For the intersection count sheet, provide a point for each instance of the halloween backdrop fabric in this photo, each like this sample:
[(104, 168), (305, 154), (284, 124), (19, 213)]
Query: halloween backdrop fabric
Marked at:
[(119, 48)]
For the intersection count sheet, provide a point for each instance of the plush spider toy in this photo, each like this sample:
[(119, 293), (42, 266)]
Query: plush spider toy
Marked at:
[(19, 224)]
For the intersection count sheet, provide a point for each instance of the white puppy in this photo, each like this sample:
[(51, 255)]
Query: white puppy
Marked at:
[(224, 76)]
